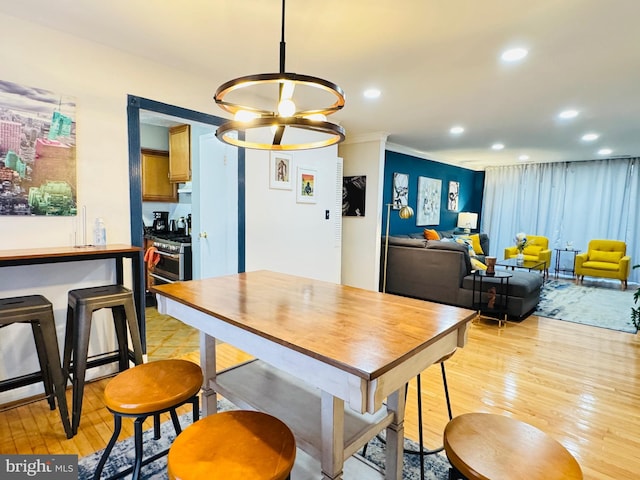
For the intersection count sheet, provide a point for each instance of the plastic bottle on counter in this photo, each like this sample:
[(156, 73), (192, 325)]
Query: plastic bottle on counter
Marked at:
[(99, 233)]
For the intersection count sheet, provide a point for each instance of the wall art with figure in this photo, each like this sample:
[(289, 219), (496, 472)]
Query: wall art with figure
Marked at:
[(452, 199), (306, 186), (37, 151), (280, 171), (400, 191)]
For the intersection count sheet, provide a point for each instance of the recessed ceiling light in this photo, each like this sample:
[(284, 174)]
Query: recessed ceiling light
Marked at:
[(605, 151), (497, 146), (568, 114), (514, 54), (523, 157), (372, 93), (456, 130), (590, 137)]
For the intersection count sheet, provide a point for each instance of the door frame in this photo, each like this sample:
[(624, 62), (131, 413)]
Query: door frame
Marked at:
[(134, 105)]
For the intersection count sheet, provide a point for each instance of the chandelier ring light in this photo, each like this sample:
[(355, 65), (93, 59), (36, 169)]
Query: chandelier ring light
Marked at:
[(249, 118)]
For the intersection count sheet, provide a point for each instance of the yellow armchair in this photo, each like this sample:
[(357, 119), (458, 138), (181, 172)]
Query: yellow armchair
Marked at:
[(604, 258), (537, 249)]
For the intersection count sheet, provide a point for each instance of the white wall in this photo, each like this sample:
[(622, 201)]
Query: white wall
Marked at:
[(291, 237), (361, 235), (281, 234)]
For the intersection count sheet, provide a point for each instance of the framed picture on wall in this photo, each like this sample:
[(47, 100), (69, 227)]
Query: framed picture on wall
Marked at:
[(400, 197), (428, 208), (280, 171), (306, 185), (452, 198), (354, 192)]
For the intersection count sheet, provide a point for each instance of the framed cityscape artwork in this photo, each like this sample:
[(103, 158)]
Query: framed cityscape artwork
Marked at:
[(37, 123)]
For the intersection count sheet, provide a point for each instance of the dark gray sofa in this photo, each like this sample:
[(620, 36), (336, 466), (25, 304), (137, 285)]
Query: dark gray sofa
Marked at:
[(449, 234), (441, 272)]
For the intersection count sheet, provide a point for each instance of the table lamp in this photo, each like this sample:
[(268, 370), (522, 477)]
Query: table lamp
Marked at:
[(467, 221), (404, 213)]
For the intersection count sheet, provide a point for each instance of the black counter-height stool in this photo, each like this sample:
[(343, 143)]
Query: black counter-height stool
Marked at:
[(422, 450), (82, 303), (38, 311)]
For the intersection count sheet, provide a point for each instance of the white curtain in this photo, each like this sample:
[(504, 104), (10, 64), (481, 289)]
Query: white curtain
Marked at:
[(567, 201)]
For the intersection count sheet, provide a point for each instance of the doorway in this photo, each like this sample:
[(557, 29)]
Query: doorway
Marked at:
[(134, 106)]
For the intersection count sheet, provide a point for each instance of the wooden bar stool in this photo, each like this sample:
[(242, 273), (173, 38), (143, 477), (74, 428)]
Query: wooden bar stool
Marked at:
[(38, 311), (482, 446), (82, 303), (149, 390), (233, 445)]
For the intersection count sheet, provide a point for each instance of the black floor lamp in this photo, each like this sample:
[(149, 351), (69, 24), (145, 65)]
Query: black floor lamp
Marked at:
[(404, 213)]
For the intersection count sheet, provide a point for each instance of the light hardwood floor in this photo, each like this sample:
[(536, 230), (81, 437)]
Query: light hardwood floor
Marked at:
[(579, 384)]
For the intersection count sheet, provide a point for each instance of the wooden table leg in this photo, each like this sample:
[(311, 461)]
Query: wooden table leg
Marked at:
[(332, 421), (209, 399), (395, 436)]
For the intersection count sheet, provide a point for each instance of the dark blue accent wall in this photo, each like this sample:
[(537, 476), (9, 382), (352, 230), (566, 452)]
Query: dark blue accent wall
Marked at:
[(469, 200)]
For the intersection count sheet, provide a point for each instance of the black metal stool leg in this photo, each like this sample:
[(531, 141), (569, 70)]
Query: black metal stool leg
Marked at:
[(420, 434), (446, 390), (117, 425), (45, 370), (156, 426), (137, 428), (176, 422)]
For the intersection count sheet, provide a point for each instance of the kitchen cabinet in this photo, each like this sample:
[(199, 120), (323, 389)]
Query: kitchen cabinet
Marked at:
[(180, 153), (156, 186)]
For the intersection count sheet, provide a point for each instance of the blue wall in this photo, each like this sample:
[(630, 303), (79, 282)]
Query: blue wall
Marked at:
[(470, 194)]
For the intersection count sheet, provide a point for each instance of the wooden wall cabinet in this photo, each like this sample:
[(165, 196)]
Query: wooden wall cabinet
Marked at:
[(156, 186), (180, 153)]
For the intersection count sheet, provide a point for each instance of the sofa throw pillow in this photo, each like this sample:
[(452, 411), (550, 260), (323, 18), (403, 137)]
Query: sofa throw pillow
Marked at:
[(609, 257), (477, 264), (475, 243), (431, 234), (465, 240)]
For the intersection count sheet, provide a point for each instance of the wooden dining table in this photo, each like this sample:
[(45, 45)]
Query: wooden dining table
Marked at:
[(329, 360)]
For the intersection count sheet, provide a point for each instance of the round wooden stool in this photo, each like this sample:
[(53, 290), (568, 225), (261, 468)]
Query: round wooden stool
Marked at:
[(150, 389), (234, 445), (482, 446)]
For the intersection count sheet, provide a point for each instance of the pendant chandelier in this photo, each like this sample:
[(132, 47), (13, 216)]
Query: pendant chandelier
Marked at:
[(281, 113)]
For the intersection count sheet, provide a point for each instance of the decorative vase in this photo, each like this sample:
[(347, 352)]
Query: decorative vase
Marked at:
[(520, 259), (491, 265)]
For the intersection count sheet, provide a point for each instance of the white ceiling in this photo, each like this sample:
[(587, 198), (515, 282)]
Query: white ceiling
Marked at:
[(435, 61)]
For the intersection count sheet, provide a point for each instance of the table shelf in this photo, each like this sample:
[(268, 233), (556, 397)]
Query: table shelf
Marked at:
[(559, 268), (501, 300), (259, 386)]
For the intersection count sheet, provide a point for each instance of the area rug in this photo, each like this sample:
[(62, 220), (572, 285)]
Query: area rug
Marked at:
[(122, 455), (590, 305)]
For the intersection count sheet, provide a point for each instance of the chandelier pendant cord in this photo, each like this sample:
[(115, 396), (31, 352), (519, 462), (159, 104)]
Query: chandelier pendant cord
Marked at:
[(286, 115)]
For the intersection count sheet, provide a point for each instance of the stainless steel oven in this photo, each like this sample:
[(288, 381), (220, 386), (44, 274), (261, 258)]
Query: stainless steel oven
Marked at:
[(175, 260)]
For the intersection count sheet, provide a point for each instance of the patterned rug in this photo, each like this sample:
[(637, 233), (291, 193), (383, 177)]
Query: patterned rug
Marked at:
[(590, 305), (122, 455)]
